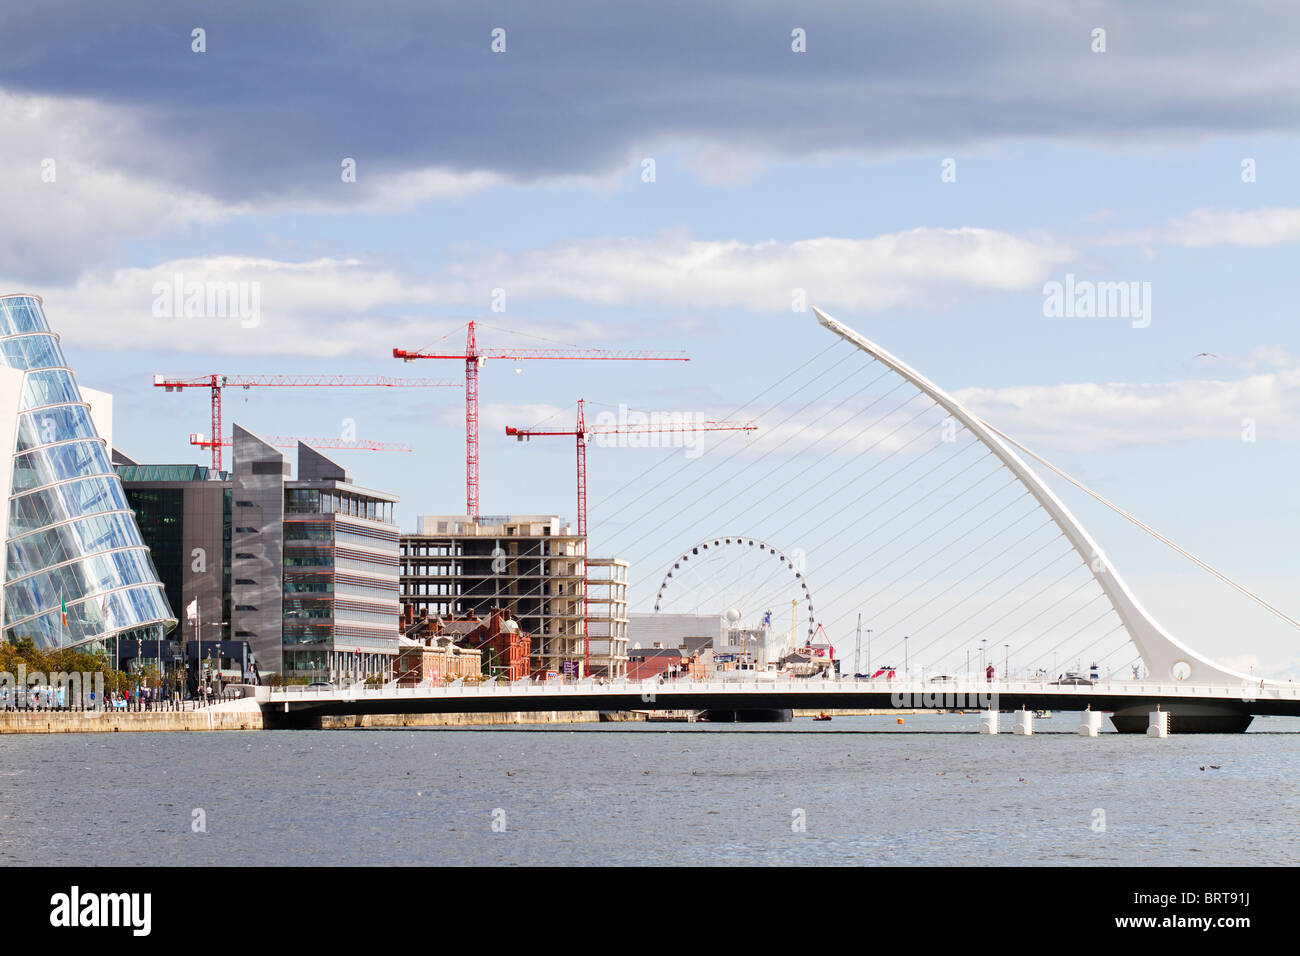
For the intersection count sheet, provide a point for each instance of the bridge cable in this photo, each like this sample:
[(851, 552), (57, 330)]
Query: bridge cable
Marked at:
[(1149, 530)]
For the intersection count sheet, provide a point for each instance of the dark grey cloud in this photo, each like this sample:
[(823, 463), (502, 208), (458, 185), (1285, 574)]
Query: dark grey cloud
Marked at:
[(288, 88)]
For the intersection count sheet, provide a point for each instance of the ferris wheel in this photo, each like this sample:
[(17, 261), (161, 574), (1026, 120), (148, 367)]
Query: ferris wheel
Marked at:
[(738, 577)]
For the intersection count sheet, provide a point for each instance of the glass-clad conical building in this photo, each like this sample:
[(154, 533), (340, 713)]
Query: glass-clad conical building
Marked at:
[(71, 541)]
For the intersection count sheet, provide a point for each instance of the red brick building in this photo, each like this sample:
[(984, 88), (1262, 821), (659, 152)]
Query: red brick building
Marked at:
[(434, 660), (503, 648)]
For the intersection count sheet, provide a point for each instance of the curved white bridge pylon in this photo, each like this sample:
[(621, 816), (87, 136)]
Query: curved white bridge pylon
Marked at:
[(1164, 655)]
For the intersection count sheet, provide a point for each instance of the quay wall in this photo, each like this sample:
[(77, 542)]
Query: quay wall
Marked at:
[(350, 721), (247, 715), (70, 722)]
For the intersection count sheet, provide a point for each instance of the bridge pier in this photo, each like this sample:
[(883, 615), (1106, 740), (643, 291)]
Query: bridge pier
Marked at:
[(1090, 723), (1024, 726), (989, 722), (1185, 717)]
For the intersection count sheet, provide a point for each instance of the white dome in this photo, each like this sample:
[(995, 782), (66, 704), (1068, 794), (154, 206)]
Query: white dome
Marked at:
[(732, 615)]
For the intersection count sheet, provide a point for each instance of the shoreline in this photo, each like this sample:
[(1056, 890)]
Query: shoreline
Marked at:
[(247, 715)]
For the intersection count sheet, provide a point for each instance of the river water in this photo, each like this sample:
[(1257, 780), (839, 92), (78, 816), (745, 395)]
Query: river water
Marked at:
[(859, 790)]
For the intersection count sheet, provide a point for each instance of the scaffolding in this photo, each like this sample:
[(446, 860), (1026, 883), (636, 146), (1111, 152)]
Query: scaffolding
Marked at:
[(533, 565)]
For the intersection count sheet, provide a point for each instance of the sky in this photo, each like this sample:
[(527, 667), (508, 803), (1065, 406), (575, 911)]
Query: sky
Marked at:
[(678, 176)]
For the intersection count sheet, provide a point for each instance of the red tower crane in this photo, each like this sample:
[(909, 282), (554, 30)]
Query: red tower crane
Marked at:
[(216, 383), (280, 441), (475, 358), (583, 434)]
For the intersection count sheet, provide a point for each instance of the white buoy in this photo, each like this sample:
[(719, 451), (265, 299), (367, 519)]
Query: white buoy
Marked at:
[(988, 721), (1158, 723), (1090, 723), (1024, 723)]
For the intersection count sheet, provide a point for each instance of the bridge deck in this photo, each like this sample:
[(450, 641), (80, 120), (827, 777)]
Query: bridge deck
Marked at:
[(490, 696)]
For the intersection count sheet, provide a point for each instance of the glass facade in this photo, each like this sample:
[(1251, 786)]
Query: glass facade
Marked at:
[(159, 513), (340, 583), (71, 538)]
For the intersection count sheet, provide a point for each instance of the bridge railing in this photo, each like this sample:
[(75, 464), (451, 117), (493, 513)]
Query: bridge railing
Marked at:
[(793, 686)]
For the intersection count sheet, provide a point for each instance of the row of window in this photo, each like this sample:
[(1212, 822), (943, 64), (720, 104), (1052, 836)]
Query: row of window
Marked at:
[(95, 616), (55, 463), (38, 509), (429, 570), (31, 351), (385, 541), (373, 564), (64, 542), (48, 425), (96, 572), (21, 314), (343, 585), (411, 549), (49, 387), (423, 588), (314, 501)]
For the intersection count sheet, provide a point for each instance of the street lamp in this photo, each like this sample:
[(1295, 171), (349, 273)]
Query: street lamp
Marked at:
[(907, 673), (1006, 661)]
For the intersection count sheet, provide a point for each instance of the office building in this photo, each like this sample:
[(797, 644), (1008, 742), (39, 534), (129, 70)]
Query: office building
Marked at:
[(304, 570), (453, 566), (76, 569)]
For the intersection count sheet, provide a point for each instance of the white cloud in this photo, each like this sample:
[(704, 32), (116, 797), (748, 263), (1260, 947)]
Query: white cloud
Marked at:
[(325, 307), (329, 307), (1213, 227), (1091, 416), (54, 227), (918, 267)]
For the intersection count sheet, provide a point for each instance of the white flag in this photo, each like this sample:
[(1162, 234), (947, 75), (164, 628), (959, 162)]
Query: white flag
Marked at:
[(192, 611)]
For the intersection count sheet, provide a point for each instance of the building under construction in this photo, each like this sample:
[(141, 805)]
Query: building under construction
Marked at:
[(607, 616), (454, 566)]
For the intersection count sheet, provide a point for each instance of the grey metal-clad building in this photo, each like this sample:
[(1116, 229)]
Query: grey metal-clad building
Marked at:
[(260, 472), (305, 570)]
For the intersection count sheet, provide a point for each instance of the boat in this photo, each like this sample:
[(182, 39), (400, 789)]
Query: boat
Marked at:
[(822, 717)]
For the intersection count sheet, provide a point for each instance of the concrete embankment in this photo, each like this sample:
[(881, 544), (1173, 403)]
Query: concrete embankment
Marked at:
[(247, 715), (236, 715), (349, 722)]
